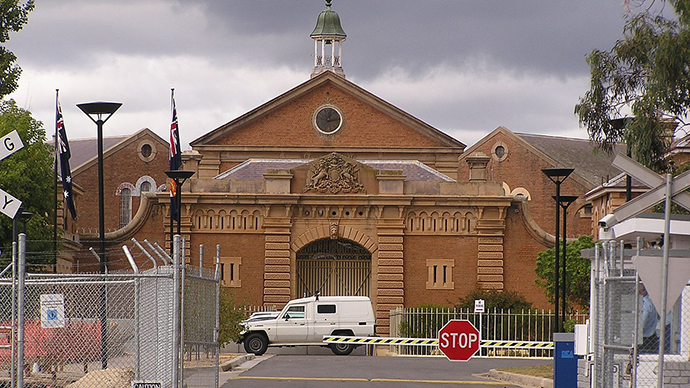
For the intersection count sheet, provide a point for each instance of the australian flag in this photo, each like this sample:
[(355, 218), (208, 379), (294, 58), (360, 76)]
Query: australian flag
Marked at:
[(174, 156), (65, 172)]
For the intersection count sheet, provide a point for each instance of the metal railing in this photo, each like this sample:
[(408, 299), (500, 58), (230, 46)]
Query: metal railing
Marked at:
[(502, 327)]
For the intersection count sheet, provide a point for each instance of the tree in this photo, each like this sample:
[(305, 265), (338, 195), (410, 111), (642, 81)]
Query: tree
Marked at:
[(577, 272), (647, 72), (28, 176), (13, 16), (231, 314)]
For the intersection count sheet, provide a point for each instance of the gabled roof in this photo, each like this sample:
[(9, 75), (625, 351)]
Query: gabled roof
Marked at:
[(84, 152), (328, 77), (591, 165), (679, 146)]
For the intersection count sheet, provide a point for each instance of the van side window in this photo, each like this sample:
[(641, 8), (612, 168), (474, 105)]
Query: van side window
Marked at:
[(325, 309), (295, 312)]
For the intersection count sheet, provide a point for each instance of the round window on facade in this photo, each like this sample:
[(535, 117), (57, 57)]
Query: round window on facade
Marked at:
[(499, 152), (147, 151)]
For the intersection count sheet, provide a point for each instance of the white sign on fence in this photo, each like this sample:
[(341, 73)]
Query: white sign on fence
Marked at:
[(479, 306), (10, 144), (52, 311), (9, 205)]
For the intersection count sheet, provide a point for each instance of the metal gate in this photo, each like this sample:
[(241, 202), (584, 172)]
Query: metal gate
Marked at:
[(622, 353), (335, 267), (98, 329)]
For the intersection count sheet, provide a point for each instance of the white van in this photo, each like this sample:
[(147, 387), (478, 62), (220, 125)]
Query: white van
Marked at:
[(305, 321)]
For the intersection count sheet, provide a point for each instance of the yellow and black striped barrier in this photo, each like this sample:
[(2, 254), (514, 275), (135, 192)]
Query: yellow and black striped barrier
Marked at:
[(432, 342), (379, 340)]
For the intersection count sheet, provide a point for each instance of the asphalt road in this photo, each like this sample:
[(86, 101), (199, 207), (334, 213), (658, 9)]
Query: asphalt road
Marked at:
[(371, 372)]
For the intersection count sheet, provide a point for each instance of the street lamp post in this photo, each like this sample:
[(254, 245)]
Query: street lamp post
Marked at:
[(557, 175), (564, 202), (179, 176), (98, 110)]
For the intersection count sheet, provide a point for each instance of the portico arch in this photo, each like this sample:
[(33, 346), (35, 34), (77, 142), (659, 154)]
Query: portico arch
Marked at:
[(330, 266)]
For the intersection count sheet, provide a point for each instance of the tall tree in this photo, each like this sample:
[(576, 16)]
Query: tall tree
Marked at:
[(13, 15), (648, 73), (577, 272), (28, 176)]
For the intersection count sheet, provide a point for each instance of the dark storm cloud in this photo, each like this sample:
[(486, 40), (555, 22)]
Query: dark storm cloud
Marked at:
[(464, 67), (534, 36)]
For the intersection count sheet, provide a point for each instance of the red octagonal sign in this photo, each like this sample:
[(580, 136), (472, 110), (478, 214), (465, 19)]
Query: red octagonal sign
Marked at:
[(458, 340)]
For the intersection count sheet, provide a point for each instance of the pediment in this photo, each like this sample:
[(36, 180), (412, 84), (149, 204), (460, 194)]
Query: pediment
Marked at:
[(289, 120)]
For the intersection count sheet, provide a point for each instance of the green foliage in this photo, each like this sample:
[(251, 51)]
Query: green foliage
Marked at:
[(647, 72), (28, 175), (427, 322), (231, 313), (13, 16), (506, 300), (577, 272)]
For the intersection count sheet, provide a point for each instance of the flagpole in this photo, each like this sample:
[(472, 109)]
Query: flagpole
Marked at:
[(55, 187), (172, 231)]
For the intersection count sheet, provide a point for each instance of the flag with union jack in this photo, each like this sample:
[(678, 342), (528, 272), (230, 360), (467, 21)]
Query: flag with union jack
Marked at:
[(64, 152), (174, 156)]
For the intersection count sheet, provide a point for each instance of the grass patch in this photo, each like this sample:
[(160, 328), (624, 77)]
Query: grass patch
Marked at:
[(545, 371)]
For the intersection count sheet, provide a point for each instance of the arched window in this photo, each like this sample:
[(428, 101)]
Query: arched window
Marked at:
[(145, 187), (125, 206)]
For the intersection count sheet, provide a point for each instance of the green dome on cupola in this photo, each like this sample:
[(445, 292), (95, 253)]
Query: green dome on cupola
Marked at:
[(328, 23)]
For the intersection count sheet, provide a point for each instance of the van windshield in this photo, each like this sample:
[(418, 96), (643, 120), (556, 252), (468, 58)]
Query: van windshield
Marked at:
[(295, 312)]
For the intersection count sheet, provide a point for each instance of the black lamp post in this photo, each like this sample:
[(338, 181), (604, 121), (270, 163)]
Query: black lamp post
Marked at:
[(179, 176), (98, 110), (564, 202), (557, 175), (621, 124)]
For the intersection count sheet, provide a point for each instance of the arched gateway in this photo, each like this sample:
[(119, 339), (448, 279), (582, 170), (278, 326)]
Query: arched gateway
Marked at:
[(338, 267)]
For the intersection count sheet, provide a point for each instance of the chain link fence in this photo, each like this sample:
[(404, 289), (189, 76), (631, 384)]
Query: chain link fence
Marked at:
[(626, 326), (113, 329)]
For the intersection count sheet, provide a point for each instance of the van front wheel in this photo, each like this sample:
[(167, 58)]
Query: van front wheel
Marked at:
[(340, 349), (256, 343)]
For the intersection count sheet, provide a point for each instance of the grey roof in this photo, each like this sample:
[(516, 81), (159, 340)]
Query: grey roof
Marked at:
[(590, 164), (83, 150), (254, 169)]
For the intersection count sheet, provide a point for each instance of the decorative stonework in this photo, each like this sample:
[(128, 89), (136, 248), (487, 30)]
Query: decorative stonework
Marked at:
[(490, 263), (333, 174), (334, 230)]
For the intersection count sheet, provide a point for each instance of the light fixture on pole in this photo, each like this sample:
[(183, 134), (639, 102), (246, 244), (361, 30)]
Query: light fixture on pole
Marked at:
[(621, 125), (179, 176), (564, 202), (98, 110), (557, 175)]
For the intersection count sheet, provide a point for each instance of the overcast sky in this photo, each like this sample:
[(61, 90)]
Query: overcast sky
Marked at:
[(462, 66)]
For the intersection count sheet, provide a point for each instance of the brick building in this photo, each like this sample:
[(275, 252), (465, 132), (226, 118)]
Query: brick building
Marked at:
[(133, 165), (328, 188)]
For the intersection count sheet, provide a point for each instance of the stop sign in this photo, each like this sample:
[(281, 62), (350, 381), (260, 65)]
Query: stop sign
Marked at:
[(458, 340)]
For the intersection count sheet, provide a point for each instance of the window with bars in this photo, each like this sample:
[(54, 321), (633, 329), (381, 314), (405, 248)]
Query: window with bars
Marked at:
[(440, 274)]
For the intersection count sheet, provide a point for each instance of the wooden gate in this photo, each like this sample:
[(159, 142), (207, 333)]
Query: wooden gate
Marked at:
[(333, 267)]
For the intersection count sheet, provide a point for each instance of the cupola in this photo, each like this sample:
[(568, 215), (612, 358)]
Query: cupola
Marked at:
[(328, 38)]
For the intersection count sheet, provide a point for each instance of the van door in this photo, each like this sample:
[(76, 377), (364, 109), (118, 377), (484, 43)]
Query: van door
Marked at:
[(325, 320), (293, 325)]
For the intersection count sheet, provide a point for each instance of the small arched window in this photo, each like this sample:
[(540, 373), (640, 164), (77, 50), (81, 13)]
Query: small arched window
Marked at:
[(145, 187), (125, 206)]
